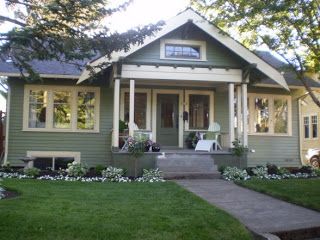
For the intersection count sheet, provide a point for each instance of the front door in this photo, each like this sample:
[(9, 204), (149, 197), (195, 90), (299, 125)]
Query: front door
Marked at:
[(167, 119)]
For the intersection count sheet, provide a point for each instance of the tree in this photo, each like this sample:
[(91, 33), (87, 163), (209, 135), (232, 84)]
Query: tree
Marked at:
[(65, 30), (291, 28)]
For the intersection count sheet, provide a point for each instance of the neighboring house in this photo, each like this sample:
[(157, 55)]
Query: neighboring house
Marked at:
[(189, 67), (309, 127)]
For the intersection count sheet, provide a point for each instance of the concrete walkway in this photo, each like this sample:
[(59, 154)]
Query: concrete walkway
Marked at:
[(259, 212)]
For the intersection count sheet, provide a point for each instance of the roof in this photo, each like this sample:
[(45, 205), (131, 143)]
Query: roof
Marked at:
[(45, 68), (213, 31), (290, 76)]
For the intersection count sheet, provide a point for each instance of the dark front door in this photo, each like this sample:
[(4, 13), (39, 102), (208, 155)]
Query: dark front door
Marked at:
[(167, 119)]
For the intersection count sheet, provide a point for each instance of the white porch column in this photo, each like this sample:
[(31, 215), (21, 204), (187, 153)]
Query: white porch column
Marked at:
[(116, 110), (131, 108), (244, 113), (231, 114), (239, 124)]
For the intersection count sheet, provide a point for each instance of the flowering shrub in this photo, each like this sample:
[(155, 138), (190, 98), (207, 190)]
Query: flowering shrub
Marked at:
[(152, 175), (260, 172), (76, 169), (31, 172), (114, 174), (135, 148), (234, 173)]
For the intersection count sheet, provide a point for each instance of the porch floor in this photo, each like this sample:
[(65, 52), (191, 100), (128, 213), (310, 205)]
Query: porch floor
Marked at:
[(192, 151)]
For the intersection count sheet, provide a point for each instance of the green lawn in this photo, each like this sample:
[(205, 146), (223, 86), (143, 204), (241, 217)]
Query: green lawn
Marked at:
[(75, 210), (304, 192)]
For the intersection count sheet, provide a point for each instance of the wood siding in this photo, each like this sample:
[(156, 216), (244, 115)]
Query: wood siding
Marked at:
[(217, 54), (94, 147), (282, 151)]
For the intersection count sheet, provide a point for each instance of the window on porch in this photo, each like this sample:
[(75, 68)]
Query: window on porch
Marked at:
[(199, 111), (140, 109)]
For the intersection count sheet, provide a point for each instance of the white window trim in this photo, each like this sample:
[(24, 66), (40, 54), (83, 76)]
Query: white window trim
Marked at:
[(148, 110), (49, 111), (271, 98), (53, 154), (211, 106), (309, 116), (201, 44)]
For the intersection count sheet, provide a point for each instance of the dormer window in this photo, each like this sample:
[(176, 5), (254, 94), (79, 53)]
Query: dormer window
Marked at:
[(190, 50)]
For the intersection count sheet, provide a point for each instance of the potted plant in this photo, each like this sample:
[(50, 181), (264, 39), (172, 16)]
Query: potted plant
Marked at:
[(192, 140), (147, 145), (155, 147)]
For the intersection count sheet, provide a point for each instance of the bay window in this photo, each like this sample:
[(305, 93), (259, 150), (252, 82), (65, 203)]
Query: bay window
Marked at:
[(270, 114), (53, 108)]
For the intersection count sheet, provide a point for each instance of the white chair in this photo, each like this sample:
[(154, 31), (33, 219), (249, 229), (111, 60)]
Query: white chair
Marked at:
[(211, 138)]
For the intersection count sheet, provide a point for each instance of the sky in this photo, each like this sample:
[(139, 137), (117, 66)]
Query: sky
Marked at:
[(139, 13)]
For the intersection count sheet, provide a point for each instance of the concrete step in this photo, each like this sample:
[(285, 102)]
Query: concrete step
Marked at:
[(191, 175), (187, 166)]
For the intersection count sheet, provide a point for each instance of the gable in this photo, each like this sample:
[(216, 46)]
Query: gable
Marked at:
[(216, 54), (190, 15)]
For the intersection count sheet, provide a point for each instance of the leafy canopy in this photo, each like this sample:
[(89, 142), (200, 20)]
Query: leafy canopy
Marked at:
[(289, 27), (65, 30)]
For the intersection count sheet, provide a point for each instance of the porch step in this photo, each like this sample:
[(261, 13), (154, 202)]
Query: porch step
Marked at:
[(192, 166)]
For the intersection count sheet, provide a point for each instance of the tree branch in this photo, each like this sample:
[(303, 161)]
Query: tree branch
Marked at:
[(7, 19)]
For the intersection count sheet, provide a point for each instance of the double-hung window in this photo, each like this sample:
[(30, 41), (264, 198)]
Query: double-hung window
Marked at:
[(55, 108), (199, 105), (310, 127), (142, 107), (270, 115)]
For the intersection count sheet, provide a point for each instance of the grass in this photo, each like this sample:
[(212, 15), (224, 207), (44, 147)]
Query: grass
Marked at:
[(75, 210), (304, 192)]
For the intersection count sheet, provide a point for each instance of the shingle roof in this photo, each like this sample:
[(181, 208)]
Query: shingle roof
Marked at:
[(290, 76), (46, 67)]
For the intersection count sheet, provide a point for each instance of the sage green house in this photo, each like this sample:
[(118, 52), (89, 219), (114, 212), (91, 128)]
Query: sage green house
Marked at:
[(178, 81)]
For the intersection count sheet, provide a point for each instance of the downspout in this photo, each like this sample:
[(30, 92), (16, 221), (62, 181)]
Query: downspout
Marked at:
[(7, 126)]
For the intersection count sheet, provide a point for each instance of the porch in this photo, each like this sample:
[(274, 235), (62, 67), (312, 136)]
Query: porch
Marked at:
[(168, 107)]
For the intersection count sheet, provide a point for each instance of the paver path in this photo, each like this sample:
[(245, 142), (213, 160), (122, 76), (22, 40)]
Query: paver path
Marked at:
[(259, 212)]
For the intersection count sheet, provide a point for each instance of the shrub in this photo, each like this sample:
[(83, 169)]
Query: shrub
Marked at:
[(32, 172), (238, 149), (99, 169), (316, 171), (249, 171), (260, 171), (283, 171), (151, 175), (76, 169), (306, 169), (234, 173), (272, 168), (113, 174), (135, 148), (221, 168)]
